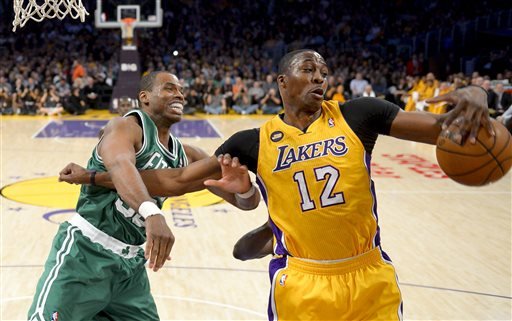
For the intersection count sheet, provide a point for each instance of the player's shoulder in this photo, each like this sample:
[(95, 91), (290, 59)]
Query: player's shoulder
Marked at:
[(122, 124)]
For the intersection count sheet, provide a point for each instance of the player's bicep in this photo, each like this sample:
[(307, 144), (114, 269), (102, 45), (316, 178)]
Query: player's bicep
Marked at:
[(194, 153), (119, 141), (416, 126)]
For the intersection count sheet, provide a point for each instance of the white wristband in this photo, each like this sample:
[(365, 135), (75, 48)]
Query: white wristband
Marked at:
[(147, 209), (247, 194)]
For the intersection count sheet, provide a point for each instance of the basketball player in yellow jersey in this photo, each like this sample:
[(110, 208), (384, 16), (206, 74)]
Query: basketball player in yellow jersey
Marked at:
[(313, 170)]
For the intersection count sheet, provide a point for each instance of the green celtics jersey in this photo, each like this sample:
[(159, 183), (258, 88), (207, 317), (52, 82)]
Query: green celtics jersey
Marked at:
[(104, 208)]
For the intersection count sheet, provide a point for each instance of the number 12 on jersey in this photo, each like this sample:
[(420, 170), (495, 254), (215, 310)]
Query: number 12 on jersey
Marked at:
[(330, 175)]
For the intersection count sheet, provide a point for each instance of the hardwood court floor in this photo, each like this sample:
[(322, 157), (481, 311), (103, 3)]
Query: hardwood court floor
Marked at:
[(451, 244)]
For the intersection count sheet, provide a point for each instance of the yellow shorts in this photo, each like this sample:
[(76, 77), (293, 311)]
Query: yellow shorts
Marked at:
[(361, 288)]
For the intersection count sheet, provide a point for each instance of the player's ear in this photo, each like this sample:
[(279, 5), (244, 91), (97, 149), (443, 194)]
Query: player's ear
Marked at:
[(143, 97), (281, 81)]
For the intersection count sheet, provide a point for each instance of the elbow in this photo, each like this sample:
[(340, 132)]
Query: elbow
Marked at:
[(239, 254)]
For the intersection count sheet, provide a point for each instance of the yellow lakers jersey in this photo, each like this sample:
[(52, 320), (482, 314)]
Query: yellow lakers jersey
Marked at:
[(317, 186)]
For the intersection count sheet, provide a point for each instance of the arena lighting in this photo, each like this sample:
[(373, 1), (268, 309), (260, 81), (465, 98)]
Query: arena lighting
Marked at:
[(175, 53)]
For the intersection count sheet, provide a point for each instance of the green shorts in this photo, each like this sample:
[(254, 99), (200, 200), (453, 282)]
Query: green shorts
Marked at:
[(91, 276)]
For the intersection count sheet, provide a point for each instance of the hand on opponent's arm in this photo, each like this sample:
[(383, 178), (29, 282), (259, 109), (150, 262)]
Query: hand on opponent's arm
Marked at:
[(159, 182), (171, 182), (235, 185)]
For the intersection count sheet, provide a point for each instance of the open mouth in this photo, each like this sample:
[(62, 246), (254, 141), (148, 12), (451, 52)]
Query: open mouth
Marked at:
[(177, 107), (318, 92)]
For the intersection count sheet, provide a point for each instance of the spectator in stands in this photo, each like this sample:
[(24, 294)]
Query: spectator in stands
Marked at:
[(192, 100), (215, 102), (414, 68), (51, 102), (90, 94), (32, 100), (357, 85), (491, 96), (124, 105), (331, 88), (339, 94), (5, 97), (425, 88), (256, 93), (506, 119), (63, 89), (75, 104), (78, 70), (368, 91), (242, 103), (269, 84), (502, 100), (227, 89), (271, 102), (18, 97)]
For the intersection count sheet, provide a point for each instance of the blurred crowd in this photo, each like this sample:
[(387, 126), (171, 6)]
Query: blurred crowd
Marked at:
[(226, 55), (45, 70)]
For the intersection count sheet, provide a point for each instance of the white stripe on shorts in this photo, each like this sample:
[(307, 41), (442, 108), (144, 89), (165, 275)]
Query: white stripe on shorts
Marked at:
[(61, 254), (108, 242)]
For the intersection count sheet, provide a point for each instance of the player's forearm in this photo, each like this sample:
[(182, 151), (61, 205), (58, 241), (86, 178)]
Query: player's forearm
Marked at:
[(159, 182), (172, 181), (128, 182), (245, 204), (420, 127)]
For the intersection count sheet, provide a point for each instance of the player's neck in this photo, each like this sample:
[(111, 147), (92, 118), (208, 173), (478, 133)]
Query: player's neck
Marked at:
[(163, 126), (301, 118)]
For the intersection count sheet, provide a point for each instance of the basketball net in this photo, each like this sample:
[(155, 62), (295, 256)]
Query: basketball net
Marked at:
[(49, 9), (127, 27)]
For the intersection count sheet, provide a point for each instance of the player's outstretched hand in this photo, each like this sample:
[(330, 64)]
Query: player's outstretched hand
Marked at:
[(235, 176), (470, 103), (74, 174), (159, 241)]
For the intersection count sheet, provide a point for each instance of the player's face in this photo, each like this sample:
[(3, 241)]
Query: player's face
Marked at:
[(166, 98), (306, 80), (124, 107)]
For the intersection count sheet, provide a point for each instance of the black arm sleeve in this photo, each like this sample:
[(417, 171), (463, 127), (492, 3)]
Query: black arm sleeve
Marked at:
[(245, 146), (369, 117)]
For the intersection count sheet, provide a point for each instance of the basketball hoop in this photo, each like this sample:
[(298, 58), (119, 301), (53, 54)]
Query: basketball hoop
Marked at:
[(127, 30), (49, 9)]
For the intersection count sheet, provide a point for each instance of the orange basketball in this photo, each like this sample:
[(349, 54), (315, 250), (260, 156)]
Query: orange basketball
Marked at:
[(484, 162)]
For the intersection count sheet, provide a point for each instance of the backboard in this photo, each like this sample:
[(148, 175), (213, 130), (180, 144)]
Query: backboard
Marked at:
[(110, 13)]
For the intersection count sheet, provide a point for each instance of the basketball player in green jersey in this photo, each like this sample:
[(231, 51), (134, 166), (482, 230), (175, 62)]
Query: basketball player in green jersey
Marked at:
[(95, 270), (325, 226)]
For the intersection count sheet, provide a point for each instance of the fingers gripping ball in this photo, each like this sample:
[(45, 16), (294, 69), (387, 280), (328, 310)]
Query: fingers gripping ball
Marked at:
[(484, 162)]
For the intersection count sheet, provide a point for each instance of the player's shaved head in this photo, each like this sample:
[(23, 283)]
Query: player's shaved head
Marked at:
[(285, 62)]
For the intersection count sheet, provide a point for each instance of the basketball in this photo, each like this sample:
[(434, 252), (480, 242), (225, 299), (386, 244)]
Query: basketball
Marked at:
[(484, 162)]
